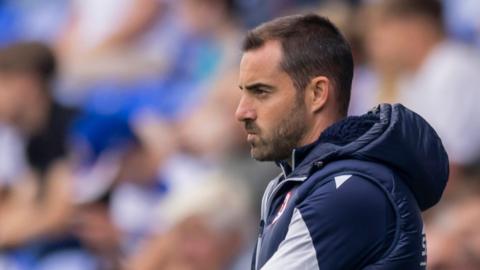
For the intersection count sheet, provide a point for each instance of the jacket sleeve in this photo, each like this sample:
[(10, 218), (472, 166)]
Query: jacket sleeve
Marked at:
[(344, 224)]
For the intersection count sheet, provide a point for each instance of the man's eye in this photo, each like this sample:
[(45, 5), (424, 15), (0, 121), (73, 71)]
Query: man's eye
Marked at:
[(259, 92)]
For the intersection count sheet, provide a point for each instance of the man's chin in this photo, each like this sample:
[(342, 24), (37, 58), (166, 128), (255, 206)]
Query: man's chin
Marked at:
[(259, 155), (265, 155)]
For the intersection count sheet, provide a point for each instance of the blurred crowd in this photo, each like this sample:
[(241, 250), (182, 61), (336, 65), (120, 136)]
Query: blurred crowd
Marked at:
[(118, 144)]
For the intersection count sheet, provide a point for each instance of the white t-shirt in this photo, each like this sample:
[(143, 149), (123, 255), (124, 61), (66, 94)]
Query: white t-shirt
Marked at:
[(12, 156), (446, 92), (99, 19)]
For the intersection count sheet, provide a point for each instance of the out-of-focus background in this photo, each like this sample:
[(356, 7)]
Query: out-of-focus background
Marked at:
[(118, 144)]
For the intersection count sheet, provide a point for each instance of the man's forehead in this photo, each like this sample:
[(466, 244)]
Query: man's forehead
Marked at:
[(262, 62)]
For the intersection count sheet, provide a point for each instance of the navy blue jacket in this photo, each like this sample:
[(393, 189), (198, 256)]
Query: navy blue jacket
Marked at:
[(353, 199)]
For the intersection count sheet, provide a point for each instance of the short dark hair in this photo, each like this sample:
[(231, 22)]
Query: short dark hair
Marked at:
[(312, 46), (429, 9), (30, 57)]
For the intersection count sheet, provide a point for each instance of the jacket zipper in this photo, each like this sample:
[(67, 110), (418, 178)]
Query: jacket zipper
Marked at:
[(265, 205)]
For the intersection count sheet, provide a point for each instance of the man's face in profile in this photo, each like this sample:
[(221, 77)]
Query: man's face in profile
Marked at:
[(270, 107)]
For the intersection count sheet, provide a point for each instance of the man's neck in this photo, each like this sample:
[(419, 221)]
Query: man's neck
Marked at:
[(313, 134)]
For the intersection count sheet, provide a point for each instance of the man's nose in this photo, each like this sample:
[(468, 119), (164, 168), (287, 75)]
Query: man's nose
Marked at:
[(245, 110)]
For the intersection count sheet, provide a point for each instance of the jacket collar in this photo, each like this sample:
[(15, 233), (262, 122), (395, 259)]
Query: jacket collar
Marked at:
[(297, 157), (309, 158)]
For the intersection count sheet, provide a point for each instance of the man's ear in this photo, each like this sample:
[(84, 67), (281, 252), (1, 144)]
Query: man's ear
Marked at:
[(318, 92)]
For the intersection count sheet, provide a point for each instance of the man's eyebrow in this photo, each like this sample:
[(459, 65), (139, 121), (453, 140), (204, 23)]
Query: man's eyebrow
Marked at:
[(257, 85)]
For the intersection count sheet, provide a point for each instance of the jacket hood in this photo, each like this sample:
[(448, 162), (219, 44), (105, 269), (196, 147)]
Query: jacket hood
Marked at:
[(388, 134)]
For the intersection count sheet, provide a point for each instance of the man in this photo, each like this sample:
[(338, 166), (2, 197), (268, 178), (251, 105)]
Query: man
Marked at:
[(432, 75), (36, 202), (351, 189)]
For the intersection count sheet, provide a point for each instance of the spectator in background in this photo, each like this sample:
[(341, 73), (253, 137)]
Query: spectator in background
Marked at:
[(148, 49), (119, 182), (39, 193), (96, 27), (108, 40), (454, 236), (421, 68), (203, 234)]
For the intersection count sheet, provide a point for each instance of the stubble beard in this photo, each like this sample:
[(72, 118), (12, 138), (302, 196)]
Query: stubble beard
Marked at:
[(285, 137)]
